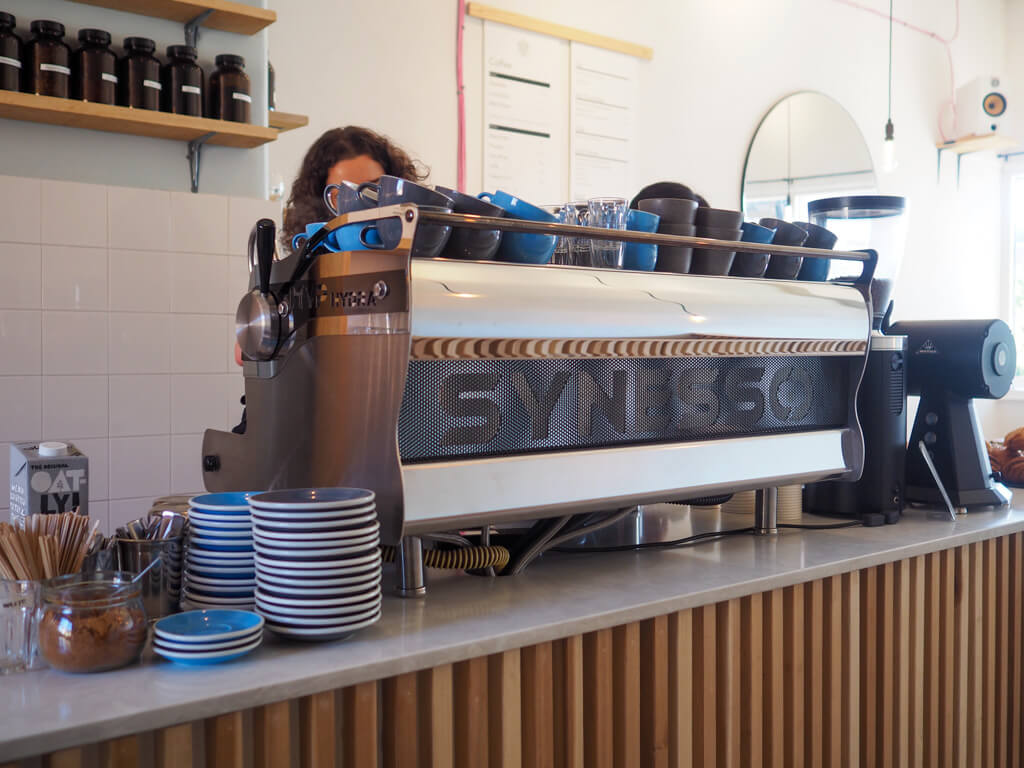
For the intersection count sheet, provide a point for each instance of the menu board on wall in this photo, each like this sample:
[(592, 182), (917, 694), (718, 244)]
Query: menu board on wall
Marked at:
[(526, 123), (602, 139)]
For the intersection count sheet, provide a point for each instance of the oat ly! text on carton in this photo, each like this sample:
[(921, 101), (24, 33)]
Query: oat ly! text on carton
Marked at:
[(47, 478)]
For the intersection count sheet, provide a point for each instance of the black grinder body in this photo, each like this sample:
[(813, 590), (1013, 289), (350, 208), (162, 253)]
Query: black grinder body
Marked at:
[(878, 497), (949, 363)]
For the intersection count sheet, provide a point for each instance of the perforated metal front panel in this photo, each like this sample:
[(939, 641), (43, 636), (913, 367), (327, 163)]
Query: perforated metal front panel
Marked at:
[(478, 408)]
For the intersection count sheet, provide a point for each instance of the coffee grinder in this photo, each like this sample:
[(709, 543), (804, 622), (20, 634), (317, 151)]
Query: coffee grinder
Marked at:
[(878, 222), (950, 362)]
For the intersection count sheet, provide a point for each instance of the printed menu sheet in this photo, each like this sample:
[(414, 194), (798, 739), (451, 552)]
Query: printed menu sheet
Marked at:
[(526, 123), (602, 138)]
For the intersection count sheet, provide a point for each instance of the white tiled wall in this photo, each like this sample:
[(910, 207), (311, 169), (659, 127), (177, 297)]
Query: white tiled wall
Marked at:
[(117, 330)]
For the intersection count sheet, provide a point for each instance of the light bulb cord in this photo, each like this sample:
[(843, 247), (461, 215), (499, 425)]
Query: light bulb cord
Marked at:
[(888, 127)]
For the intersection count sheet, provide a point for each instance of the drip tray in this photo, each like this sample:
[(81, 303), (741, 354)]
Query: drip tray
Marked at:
[(656, 523)]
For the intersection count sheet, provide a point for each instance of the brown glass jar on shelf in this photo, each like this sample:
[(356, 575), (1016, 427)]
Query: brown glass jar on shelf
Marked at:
[(94, 68), (229, 90), (10, 54), (182, 79), (138, 75), (46, 64)]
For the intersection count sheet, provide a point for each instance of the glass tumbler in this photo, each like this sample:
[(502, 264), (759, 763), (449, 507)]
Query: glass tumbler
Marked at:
[(19, 626), (610, 213)]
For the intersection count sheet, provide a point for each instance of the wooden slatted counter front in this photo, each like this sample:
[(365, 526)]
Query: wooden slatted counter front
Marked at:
[(911, 661)]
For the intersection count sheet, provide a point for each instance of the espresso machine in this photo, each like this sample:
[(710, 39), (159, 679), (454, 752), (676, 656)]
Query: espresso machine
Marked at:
[(471, 393)]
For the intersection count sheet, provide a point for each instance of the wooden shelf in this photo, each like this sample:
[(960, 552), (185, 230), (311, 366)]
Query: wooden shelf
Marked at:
[(978, 143), (139, 122), (286, 121), (227, 16), (513, 19)]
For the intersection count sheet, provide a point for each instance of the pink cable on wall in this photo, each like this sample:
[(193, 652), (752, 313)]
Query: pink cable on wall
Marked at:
[(946, 43), (460, 87)]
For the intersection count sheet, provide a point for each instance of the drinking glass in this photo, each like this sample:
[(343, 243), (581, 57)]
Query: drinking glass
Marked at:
[(610, 213), (577, 249), (19, 626)]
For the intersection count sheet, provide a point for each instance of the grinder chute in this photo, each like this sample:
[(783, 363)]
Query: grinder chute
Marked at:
[(949, 363)]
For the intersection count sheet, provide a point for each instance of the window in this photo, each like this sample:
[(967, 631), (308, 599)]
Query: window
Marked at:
[(1016, 232)]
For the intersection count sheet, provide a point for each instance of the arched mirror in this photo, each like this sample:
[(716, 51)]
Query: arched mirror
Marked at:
[(806, 147)]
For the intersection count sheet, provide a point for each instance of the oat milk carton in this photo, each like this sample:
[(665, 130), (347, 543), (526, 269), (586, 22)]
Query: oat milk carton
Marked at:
[(47, 478)]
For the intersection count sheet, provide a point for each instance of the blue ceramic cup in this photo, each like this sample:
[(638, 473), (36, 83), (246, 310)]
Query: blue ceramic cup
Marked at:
[(522, 247), (641, 256), (817, 237), (358, 236), (752, 264)]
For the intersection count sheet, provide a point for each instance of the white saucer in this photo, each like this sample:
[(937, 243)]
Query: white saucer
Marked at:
[(298, 540), (225, 584), (323, 621), (218, 646), (290, 562), (312, 515), (291, 610), (312, 498), (290, 524), (325, 633), (304, 551), (342, 581), (219, 521), (334, 593)]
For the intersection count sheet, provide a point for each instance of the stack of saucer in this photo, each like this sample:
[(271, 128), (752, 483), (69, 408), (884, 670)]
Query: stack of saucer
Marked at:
[(318, 561), (220, 563), (207, 637)]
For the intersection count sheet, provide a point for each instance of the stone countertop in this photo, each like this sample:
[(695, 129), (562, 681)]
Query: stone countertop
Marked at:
[(464, 617)]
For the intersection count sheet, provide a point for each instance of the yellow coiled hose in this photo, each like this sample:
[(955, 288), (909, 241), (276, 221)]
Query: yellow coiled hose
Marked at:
[(463, 559)]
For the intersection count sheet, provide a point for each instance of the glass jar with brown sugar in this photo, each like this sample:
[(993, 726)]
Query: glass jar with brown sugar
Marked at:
[(46, 66), (10, 54), (229, 90), (94, 68), (183, 82), (138, 75)]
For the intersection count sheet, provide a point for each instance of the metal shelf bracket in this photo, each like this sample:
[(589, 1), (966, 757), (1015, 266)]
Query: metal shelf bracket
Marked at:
[(192, 28), (194, 155)]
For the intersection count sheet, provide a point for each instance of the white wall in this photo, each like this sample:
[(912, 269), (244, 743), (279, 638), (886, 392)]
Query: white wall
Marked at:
[(717, 68), (117, 330), (55, 152)]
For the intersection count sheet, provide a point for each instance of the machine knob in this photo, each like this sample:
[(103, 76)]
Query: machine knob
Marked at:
[(258, 325), (1000, 359)]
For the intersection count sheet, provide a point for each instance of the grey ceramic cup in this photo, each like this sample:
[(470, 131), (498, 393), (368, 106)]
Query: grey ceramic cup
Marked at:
[(713, 262), (475, 244), (345, 198), (783, 266), (391, 190), (676, 218), (719, 218), (672, 210)]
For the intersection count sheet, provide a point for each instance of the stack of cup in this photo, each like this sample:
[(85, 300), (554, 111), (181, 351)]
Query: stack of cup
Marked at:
[(676, 217), (318, 561), (752, 264), (717, 224), (784, 266), (817, 237), (641, 256)]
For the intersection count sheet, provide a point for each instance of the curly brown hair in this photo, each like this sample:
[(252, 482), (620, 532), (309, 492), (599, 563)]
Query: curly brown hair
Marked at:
[(306, 204)]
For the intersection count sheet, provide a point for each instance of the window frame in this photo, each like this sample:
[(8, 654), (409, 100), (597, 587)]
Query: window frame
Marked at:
[(1013, 167)]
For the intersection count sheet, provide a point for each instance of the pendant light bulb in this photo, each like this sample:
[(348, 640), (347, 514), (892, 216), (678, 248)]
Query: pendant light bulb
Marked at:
[(889, 163)]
